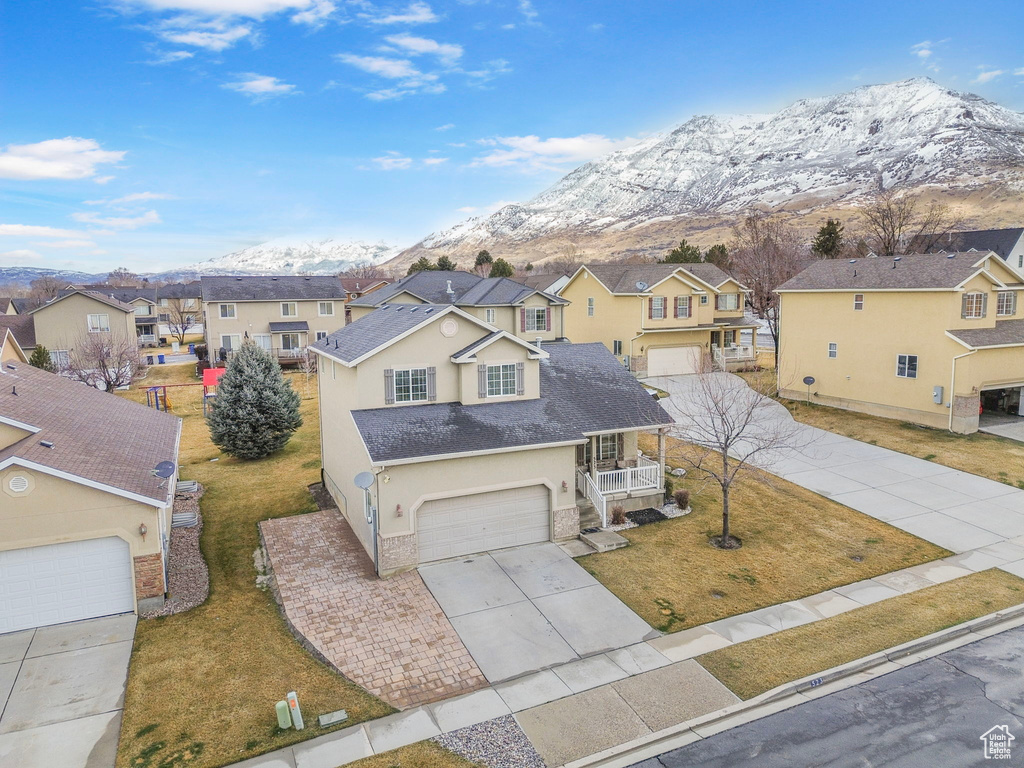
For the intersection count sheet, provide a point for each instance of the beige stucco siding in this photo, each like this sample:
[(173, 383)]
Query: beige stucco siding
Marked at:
[(615, 317), (59, 325), (10, 434), (255, 317)]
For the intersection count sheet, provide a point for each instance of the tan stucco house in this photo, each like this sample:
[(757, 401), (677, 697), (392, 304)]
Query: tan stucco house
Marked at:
[(934, 339), (61, 323), (525, 312), (660, 319), (84, 520), (474, 438), (10, 350)]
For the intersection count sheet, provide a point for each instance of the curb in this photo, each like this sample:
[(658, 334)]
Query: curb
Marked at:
[(791, 694)]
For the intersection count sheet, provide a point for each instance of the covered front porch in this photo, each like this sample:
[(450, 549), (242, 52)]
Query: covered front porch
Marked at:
[(728, 352), (611, 471)]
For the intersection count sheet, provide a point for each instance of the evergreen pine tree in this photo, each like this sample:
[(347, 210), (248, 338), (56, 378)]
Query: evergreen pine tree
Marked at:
[(41, 359), (420, 265), (719, 256), (501, 268), (684, 253), (528, 267), (828, 243), (255, 410), (484, 257), (446, 265)]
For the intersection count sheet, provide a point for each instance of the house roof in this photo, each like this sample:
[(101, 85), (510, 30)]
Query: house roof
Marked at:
[(270, 288), (123, 294), (5, 304), (289, 325), (103, 298), (1005, 332), (22, 305), (933, 271), (361, 284), (468, 352), (542, 282), (192, 290), (623, 278), (6, 338), (999, 241), (583, 390), (468, 290), (98, 437)]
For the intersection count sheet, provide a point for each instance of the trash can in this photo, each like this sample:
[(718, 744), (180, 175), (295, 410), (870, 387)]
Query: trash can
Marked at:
[(160, 358), (191, 349), (149, 359)]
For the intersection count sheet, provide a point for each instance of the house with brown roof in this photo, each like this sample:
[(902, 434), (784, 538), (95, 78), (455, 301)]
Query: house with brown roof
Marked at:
[(22, 328), (933, 339), (10, 350), (85, 511), (661, 319)]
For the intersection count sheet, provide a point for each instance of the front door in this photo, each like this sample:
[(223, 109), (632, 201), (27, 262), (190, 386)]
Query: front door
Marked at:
[(290, 341)]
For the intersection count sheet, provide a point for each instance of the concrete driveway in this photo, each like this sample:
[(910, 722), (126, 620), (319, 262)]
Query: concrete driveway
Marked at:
[(62, 691), (1012, 429), (978, 518), (529, 608)]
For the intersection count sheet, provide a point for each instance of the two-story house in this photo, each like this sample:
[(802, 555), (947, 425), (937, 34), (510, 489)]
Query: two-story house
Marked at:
[(442, 435), (506, 304), (1007, 244), (77, 314), (933, 339), (282, 314), (660, 319)]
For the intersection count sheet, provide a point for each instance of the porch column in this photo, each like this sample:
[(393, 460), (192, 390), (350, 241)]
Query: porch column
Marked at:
[(593, 458), (661, 454)]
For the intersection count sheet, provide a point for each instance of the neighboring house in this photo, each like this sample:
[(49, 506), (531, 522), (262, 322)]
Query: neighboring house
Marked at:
[(155, 307), (7, 307), (84, 520), (23, 328), (552, 284), (1007, 244), (661, 319), (931, 339), (22, 306), (357, 287), (10, 349), (498, 301), (61, 323), (282, 314), (474, 438)]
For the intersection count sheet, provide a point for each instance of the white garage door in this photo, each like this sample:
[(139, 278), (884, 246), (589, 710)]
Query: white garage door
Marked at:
[(464, 525), (670, 361), (64, 582)]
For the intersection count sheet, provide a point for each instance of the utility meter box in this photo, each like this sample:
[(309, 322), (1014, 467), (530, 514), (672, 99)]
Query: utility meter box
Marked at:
[(937, 395)]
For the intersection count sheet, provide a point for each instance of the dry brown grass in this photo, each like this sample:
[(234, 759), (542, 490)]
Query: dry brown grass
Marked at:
[(422, 754), (202, 685), (759, 665), (795, 543)]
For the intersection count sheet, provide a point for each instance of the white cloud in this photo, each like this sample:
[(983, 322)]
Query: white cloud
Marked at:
[(467, 209), (253, 9), (67, 158), (17, 257), (316, 13), (529, 12), (31, 230), (987, 75), (445, 127), (134, 197), (416, 13), (103, 179), (384, 67), (68, 244), (393, 161), (922, 50), (216, 35), (447, 53), (435, 160), (925, 53), (117, 222), (260, 87), (531, 153), (489, 71), (169, 57), (1019, 72)]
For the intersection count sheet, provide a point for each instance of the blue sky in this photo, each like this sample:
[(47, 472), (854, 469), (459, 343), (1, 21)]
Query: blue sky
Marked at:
[(157, 133)]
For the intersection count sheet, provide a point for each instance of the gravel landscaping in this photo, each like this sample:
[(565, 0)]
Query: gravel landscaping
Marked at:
[(188, 577), (650, 515), (498, 743)]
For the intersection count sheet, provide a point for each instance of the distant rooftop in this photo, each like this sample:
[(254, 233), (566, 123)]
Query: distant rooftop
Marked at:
[(999, 241), (270, 288), (468, 290), (914, 271)]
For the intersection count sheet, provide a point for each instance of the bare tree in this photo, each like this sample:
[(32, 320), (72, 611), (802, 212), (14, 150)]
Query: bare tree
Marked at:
[(365, 272), (105, 360), (122, 277), (765, 254), (44, 289), (568, 262), (729, 429), (181, 316), (895, 221)]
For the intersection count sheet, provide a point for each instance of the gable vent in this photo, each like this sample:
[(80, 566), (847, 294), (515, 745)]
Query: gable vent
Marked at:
[(18, 484)]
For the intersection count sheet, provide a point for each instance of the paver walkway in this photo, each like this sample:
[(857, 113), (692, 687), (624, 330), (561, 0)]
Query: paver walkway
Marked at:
[(387, 635)]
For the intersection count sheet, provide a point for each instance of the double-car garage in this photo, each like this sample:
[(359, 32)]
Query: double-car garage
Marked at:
[(674, 361)]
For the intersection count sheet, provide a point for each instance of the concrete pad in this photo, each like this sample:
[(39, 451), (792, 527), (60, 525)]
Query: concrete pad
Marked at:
[(82, 634), (736, 629), (903, 581), (689, 643), (939, 571), (593, 620), (542, 570), (581, 725), (975, 560), (1006, 550), (532, 690), (14, 645), (672, 695), (471, 584), (880, 505), (866, 592), (638, 658), (985, 514), (825, 482), (8, 674), (86, 742), (589, 673), (784, 615), (463, 711), (913, 466), (1012, 501), (282, 758), (66, 686), (972, 485), (828, 604), (872, 473), (1017, 568), (512, 640), (926, 493), (576, 548), (398, 730), (945, 531), (785, 465), (336, 749)]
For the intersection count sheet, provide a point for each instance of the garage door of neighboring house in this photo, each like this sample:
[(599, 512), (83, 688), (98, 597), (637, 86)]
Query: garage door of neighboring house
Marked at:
[(670, 361), (55, 583), (464, 525)]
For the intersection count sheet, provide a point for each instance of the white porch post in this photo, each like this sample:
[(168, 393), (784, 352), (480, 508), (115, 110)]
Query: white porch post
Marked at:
[(593, 458), (661, 455)]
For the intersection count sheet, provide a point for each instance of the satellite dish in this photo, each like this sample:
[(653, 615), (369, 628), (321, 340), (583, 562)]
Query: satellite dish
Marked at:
[(641, 285), (364, 480), (808, 380), (164, 469)]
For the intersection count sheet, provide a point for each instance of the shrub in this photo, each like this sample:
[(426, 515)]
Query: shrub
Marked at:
[(668, 487), (201, 351), (682, 498), (618, 515)]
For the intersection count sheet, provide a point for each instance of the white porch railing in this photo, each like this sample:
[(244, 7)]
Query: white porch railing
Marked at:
[(585, 485), (147, 338), (646, 474), (736, 352)]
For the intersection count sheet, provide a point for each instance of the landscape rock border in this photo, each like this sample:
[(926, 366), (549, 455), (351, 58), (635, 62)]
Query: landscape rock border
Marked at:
[(188, 577)]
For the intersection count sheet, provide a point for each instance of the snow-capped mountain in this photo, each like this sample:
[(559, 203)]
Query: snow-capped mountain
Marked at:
[(284, 257), (818, 152), (25, 275)]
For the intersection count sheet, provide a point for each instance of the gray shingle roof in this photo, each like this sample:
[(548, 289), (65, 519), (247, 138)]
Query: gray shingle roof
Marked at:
[(23, 327), (22, 306), (583, 387), (542, 282), (1005, 332), (1001, 241), (95, 435), (110, 301), (4, 305), (282, 288), (377, 328), (469, 290), (934, 270), (125, 295), (476, 344), (623, 278), (361, 284), (289, 325)]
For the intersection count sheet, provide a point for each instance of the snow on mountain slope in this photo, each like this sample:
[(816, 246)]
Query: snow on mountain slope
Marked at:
[(816, 152), (283, 257)]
